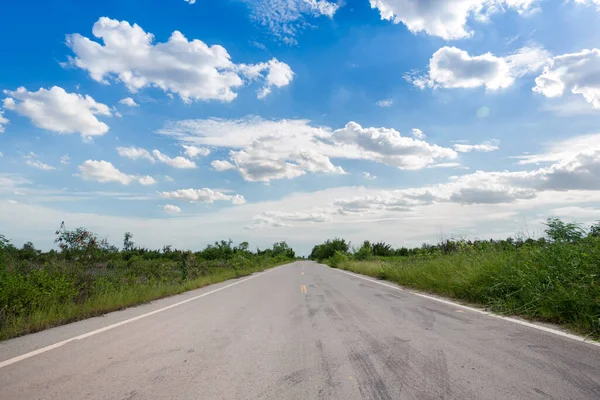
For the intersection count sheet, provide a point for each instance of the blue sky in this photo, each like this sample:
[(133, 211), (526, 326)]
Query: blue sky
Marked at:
[(298, 120)]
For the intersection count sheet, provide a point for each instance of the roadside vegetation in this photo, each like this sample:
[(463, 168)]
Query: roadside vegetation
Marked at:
[(87, 276), (555, 278)]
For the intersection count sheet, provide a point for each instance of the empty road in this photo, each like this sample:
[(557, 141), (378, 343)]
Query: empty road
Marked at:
[(301, 331)]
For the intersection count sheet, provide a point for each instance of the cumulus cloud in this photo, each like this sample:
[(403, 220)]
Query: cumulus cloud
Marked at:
[(129, 102), (221, 165), (171, 209), (287, 18), (204, 195), (104, 171), (193, 151), (278, 74), (176, 162), (192, 69), (417, 133), (135, 153), (483, 147), (146, 180), (385, 103), (265, 150), (444, 18), (3, 121), (452, 68), (576, 73), (58, 111), (368, 176), (65, 159)]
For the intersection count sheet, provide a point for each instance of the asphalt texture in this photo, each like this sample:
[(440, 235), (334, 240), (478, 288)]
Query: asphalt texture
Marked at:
[(301, 331)]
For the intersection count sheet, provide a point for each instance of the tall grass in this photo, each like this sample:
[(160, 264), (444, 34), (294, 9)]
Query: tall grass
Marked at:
[(90, 277), (558, 282), (54, 313)]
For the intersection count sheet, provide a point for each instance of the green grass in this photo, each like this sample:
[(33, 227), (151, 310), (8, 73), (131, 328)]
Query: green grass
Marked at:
[(557, 283), (55, 313)]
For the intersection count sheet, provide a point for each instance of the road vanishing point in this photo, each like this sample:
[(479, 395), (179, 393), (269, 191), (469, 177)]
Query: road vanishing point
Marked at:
[(300, 331)]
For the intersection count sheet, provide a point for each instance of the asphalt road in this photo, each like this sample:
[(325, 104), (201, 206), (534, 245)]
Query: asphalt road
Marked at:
[(301, 331)]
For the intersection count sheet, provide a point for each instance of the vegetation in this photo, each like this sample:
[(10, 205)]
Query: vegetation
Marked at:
[(87, 276), (555, 278)]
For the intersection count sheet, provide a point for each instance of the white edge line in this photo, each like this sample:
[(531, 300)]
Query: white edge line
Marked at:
[(25, 356), (489, 314)]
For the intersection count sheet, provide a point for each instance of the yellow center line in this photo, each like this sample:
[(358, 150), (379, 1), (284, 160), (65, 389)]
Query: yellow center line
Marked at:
[(303, 289)]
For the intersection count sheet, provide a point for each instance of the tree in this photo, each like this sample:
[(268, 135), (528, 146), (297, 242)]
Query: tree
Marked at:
[(128, 242), (365, 252), (560, 231), (595, 229), (283, 249), (382, 249), (328, 249)]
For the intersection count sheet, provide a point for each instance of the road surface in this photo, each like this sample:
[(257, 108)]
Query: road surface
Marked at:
[(301, 331)]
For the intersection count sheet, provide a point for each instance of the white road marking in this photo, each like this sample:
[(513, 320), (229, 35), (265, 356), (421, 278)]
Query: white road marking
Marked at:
[(25, 356), (489, 314)]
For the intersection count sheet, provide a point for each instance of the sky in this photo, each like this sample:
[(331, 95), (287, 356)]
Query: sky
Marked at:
[(406, 121)]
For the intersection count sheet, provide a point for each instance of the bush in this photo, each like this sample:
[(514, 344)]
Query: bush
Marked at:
[(337, 259)]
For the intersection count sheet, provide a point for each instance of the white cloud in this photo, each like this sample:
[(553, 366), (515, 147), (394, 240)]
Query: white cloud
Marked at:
[(286, 18), (58, 111), (31, 160), (176, 162), (146, 180), (190, 69), (3, 121), (39, 165), (129, 102), (588, 2), (264, 150), (221, 165), (444, 18), (168, 178), (564, 149), (451, 68), (204, 195), (576, 73), (171, 209), (190, 1), (65, 159), (280, 219), (418, 134), (385, 103), (135, 153), (368, 176), (193, 151), (483, 147), (103, 172)]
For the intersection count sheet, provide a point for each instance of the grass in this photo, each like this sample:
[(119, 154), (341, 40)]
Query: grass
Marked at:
[(557, 283), (101, 303)]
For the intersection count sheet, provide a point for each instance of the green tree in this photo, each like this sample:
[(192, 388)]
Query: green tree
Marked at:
[(560, 231), (128, 242)]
